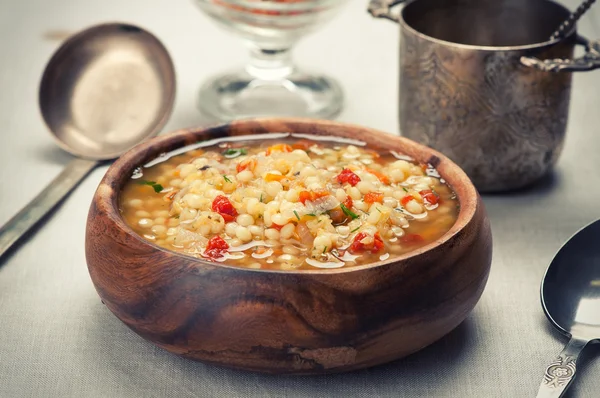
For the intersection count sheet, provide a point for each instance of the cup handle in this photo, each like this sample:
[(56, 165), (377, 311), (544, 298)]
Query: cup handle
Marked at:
[(383, 8), (589, 61)]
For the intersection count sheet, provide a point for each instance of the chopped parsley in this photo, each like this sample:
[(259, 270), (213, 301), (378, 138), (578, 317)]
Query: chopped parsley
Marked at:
[(234, 152), (324, 249), (311, 214), (261, 197), (354, 230), (226, 179), (348, 212), (296, 214), (377, 208), (157, 187), (405, 190)]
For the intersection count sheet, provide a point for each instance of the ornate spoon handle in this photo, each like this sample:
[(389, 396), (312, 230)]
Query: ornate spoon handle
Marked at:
[(561, 372)]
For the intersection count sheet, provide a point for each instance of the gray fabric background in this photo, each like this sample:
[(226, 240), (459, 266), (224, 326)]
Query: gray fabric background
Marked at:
[(58, 340)]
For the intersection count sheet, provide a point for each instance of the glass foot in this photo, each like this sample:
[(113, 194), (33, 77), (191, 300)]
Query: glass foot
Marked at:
[(241, 95)]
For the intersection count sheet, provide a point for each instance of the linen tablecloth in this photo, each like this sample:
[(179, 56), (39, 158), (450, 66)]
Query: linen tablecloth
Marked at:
[(58, 340)]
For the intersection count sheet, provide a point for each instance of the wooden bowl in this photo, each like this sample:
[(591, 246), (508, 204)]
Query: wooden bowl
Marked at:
[(296, 322)]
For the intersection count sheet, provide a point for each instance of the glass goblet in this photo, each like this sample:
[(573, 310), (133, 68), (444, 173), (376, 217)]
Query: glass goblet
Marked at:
[(270, 84)]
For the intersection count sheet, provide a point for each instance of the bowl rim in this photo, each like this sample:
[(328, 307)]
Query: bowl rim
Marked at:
[(106, 198)]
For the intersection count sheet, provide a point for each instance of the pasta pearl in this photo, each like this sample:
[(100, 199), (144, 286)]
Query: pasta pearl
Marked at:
[(414, 207), (142, 214), (255, 230), (230, 228), (159, 230), (145, 223), (135, 203), (287, 231), (245, 176), (243, 234), (272, 234), (245, 220)]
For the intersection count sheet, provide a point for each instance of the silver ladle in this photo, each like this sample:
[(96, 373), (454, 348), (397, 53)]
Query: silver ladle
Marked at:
[(104, 90)]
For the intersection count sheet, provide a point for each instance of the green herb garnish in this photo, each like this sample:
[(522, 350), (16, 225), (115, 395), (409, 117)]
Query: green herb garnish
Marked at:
[(297, 216), (348, 212), (234, 152), (377, 208), (405, 190), (311, 214), (261, 198), (324, 249), (354, 230), (226, 179), (157, 187)]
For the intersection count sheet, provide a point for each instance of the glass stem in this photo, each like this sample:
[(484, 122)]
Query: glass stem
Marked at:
[(270, 64)]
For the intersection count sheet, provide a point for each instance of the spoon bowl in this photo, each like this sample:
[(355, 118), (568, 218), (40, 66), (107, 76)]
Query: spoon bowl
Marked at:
[(570, 294), (106, 89)]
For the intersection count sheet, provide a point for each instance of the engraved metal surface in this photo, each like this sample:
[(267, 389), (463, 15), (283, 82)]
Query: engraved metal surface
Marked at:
[(560, 372), (502, 123), (475, 86)]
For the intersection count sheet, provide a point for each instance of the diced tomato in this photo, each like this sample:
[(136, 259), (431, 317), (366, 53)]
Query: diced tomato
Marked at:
[(382, 177), (373, 197), (348, 202), (279, 148), (406, 199), (429, 196), (216, 247), (411, 239), (273, 177), (223, 206), (302, 144), (357, 246), (227, 217), (249, 164), (348, 176), (276, 226), (311, 195)]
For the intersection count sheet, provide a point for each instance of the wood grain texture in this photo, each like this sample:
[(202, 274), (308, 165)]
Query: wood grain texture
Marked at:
[(295, 322)]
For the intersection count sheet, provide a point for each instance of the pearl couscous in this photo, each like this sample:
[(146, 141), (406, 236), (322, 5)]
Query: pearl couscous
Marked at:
[(288, 204)]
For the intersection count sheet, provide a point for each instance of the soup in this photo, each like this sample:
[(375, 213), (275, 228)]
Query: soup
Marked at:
[(288, 203)]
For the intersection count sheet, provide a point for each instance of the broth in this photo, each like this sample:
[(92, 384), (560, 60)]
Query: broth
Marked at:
[(293, 202)]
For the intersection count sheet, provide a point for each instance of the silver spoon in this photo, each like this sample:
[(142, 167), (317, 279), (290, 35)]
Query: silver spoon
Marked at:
[(571, 299), (566, 26), (104, 90)]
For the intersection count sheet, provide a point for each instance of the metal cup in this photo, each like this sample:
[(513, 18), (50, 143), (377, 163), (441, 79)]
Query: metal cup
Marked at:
[(481, 82)]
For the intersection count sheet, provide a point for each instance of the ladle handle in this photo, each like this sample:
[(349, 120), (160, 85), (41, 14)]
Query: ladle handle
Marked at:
[(561, 372), (46, 200)]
